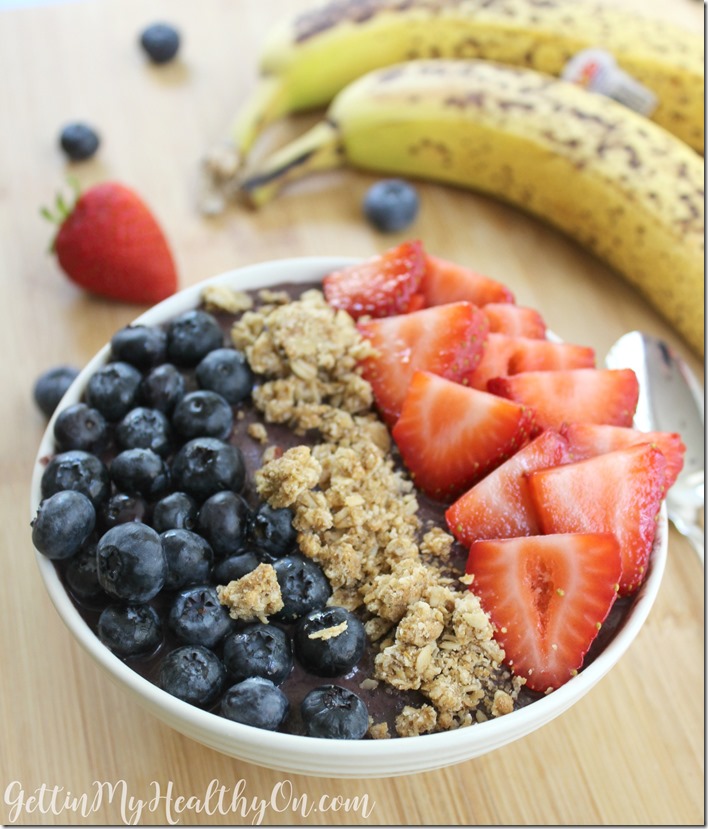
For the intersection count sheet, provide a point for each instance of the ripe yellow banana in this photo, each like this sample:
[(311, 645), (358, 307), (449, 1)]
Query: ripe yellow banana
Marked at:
[(620, 185), (308, 59)]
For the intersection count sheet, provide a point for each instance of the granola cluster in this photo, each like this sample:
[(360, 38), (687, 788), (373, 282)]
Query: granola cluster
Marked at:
[(356, 514)]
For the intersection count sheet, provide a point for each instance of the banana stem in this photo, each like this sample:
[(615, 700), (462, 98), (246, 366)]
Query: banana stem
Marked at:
[(266, 104), (318, 149)]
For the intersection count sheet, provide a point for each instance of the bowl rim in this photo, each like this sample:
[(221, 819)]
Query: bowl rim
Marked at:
[(500, 730)]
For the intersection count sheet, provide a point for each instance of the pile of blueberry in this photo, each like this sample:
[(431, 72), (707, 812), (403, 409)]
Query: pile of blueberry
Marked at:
[(145, 510)]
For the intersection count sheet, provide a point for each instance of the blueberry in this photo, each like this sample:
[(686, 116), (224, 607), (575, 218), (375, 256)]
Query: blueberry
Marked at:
[(162, 388), (203, 414), (176, 511), (391, 205), (189, 558), (131, 564), (331, 655), (140, 472), (205, 466), (192, 673), (259, 650), (197, 617), (144, 428), (226, 371), (191, 336), (160, 42), (120, 509), (113, 390), (62, 524), (82, 575), (51, 386), (256, 702), (79, 471), (334, 713), (80, 427), (222, 521), (234, 567), (272, 530), (143, 346), (130, 630), (303, 587), (79, 141)]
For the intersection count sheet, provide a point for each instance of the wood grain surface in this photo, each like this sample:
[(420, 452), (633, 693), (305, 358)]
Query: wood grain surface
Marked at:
[(631, 752)]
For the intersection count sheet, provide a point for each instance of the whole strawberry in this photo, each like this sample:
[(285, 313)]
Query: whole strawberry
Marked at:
[(110, 244)]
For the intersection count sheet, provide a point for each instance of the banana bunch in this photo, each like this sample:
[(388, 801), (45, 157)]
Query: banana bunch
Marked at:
[(308, 59), (618, 184)]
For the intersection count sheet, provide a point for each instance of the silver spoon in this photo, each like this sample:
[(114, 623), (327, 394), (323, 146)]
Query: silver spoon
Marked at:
[(670, 400)]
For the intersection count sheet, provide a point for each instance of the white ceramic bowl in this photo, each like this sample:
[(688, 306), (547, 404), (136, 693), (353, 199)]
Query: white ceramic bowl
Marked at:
[(307, 755)]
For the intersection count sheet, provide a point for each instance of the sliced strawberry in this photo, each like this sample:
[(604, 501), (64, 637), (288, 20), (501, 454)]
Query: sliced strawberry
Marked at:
[(515, 320), (588, 395), (446, 281), (380, 286), (546, 355), (446, 340), (494, 361), (450, 435), (586, 440), (619, 492), (500, 505), (547, 596), (416, 303)]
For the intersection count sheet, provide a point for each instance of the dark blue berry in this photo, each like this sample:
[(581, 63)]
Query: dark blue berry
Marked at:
[(303, 587), (140, 472), (120, 509), (131, 563), (222, 521), (197, 617), (62, 524), (144, 428), (334, 713), (272, 530), (160, 42), (226, 371), (205, 466), (51, 386), (80, 427), (203, 414), (391, 205), (143, 346), (259, 650), (79, 141), (189, 558), (329, 655), (191, 336), (192, 673), (162, 388), (113, 390), (79, 471), (130, 630), (176, 511), (234, 567), (82, 576), (256, 702)]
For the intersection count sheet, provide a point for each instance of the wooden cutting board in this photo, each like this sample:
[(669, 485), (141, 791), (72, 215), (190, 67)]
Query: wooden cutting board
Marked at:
[(631, 752)]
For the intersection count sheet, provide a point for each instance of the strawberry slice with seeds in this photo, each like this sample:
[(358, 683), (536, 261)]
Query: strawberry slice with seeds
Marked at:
[(515, 320), (445, 281), (380, 286), (500, 505), (547, 596), (586, 440), (546, 355), (446, 340), (450, 436), (493, 362), (618, 492), (589, 395)]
